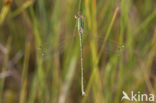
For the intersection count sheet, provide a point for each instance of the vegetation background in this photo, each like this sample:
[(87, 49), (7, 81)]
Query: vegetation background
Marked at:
[(40, 52)]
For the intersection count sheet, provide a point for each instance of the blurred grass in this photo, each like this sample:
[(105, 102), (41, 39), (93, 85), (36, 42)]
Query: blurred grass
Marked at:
[(36, 27), (5, 10), (4, 68)]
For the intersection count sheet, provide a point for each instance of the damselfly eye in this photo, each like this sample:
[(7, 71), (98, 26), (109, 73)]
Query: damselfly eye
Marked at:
[(76, 16)]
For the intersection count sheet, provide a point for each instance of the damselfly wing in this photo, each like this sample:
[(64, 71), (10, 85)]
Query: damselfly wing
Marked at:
[(111, 46)]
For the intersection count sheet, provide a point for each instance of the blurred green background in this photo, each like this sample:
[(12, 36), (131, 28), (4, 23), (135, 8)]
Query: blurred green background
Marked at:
[(40, 51)]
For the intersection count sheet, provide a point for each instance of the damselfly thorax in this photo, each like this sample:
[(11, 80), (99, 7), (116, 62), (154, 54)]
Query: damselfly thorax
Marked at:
[(80, 23)]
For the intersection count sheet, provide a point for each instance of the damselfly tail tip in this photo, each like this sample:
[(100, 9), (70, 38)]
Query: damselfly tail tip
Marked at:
[(83, 93), (122, 46)]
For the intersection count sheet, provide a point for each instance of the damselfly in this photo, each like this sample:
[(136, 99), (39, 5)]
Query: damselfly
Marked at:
[(80, 32), (112, 46)]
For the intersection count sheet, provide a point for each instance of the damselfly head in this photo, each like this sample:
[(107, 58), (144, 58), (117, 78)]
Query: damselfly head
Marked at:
[(79, 16), (76, 16)]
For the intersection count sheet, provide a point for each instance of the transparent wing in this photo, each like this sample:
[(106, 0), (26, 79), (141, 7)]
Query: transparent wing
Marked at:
[(110, 47)]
